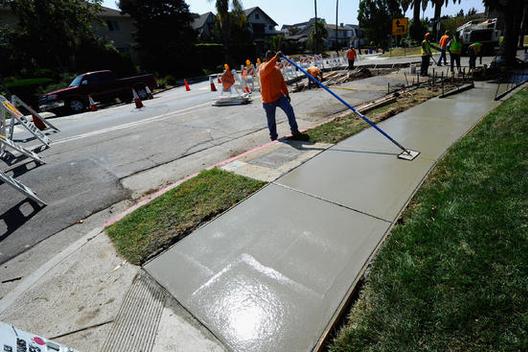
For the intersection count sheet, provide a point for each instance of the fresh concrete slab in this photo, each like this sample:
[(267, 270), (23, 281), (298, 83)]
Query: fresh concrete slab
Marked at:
[(363, 172), (269, 274)]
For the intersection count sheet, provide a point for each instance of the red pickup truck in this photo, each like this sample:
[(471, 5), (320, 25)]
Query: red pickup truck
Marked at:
[(101, 86)]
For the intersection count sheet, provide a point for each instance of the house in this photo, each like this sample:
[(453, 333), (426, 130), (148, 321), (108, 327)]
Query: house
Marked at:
[(203, 25), (115, 27), (342, 36)]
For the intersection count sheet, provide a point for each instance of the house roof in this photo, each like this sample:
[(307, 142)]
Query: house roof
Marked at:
[(201, 20), (249, 11)]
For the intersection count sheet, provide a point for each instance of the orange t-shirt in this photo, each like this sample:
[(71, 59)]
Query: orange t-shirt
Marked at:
[(351, 54), (227, 80), (443, 41), (272, 85)]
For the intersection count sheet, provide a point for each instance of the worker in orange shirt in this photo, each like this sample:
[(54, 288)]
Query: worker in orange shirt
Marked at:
[(316, 73), (227, 79), (443, 48), (275, 94), (351, 56)]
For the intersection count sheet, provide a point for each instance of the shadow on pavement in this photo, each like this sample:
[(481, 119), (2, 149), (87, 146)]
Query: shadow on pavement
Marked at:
[(17, 216)]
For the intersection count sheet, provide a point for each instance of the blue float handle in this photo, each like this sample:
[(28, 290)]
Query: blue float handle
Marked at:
[(366, 119)]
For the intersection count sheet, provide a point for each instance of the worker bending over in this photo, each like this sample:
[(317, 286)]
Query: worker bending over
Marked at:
[(316, 73), (275, 94), (474, 50), (228, 80)]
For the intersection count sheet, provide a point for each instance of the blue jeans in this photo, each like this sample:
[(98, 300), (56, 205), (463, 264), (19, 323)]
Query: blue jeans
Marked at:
[(270, 109), (444, 56)]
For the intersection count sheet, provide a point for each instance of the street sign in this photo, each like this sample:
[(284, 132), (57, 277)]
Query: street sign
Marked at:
[(400, 26), (7, 106), (13, 340)]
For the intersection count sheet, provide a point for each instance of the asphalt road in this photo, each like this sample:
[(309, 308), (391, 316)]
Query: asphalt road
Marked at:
[(95, 152)]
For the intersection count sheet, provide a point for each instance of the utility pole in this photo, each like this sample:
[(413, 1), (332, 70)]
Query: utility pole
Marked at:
[(316, 44), (337, 24)]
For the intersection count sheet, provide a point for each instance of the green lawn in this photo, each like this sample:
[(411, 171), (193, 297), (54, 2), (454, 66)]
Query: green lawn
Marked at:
[(178, 212), (453, 275)]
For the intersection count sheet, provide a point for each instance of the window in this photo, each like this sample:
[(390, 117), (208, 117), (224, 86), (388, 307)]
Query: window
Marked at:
[(112, 25), (270, 27), (257, 16)]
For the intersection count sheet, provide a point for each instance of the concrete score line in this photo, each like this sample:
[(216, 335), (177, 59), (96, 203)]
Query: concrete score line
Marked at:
[(29, 281), (129, 125)]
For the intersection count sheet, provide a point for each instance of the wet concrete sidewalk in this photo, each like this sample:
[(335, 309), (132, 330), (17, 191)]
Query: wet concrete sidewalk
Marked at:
[(270, 274)]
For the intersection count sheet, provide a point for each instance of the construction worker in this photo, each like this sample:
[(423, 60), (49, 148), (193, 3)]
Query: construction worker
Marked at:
[(474, 50), (275, 94), (228, 80), (248, 75), (426, 54), (351, 56), (455, 50), (443, 48), (315, 72)]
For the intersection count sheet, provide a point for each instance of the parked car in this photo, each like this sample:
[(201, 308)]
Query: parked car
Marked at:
[(101, 86)]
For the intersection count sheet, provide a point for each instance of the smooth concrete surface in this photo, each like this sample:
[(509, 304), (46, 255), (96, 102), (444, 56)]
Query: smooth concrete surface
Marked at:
[(363, 172), (269, 274)]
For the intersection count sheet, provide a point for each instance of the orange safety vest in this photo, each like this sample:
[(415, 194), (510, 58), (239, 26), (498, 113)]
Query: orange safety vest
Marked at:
[(351, 54)]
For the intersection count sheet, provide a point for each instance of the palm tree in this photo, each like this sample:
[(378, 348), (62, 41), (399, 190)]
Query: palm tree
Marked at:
[(416, 25), (315, 28), (226, 18), (438, 12)]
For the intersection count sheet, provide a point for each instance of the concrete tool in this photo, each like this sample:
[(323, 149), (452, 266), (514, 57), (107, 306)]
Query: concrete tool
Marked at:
[(406, 154)]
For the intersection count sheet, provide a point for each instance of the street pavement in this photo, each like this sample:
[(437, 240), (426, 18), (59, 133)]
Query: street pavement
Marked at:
[(96, 153), (271, 273), (100, 158)]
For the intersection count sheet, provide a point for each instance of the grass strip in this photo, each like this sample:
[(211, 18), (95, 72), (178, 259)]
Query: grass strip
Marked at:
[(178, 212), (453, 275), (345, 126)]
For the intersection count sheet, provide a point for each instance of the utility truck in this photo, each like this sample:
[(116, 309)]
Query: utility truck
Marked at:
[(484, 32)]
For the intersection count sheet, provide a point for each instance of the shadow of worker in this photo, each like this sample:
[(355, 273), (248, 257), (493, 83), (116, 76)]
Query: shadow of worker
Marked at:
[(17, 216)]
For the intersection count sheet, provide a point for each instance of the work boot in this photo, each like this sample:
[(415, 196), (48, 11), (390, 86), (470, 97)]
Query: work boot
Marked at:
[(298, 136)]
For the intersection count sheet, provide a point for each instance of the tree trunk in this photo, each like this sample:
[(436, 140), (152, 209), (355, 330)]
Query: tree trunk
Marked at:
[(524, 27), (437, 15), (513, 12), (415, 30)]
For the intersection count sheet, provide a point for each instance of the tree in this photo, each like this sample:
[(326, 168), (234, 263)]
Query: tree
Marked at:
[(416, 28), (512, 12), (317, 36), (50, 32), (375, 17), (229, 21), (438, 14), (164, 34)]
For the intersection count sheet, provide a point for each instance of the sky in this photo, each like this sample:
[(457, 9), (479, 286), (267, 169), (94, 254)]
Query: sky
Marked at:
[(295, 11)]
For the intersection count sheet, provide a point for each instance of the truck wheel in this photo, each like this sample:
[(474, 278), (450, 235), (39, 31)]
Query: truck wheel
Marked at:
[(76, 106)]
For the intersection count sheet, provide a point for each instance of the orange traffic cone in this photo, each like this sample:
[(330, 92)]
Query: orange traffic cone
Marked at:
[(38, 122), (137, 100), (93, 106), (213, 87), (187, 87)]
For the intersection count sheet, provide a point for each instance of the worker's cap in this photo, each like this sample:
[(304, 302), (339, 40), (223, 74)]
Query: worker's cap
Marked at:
[(427, 35)]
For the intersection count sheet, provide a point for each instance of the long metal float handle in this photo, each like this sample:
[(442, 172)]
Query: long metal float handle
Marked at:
[(366, 119)]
